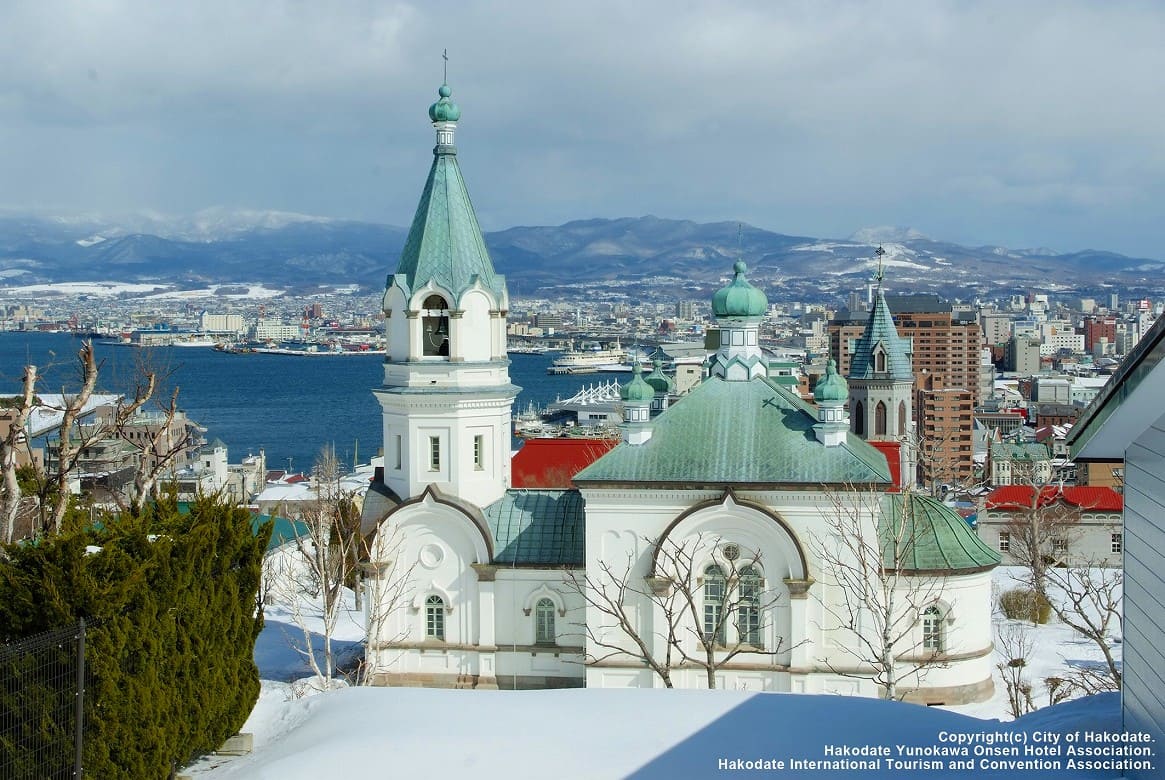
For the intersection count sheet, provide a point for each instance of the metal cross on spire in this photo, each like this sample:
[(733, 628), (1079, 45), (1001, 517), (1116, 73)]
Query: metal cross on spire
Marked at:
[(879, 253), (445, 56)]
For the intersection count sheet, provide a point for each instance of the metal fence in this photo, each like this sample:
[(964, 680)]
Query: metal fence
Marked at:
[(42, 693)]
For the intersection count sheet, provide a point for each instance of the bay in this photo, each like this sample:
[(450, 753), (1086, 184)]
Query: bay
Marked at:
[(289, 406)]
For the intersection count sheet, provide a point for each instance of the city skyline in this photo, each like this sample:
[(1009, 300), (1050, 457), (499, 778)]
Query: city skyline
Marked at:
[(981, 124)]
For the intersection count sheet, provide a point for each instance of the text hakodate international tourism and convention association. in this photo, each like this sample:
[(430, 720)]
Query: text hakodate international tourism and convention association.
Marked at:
[(1010, 751)]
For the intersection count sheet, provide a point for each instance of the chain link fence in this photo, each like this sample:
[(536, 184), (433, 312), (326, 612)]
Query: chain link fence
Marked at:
[(42, 693)]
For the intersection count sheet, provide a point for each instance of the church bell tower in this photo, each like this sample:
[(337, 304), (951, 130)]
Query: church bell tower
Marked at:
[(446, 397)]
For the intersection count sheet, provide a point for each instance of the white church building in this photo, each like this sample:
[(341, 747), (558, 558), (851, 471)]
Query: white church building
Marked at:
[(717, 543)]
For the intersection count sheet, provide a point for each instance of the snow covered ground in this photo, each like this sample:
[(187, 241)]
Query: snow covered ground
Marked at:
[(407, 732)]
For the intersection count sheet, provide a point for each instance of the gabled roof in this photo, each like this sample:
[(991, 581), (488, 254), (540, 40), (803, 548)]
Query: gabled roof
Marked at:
[(880, 332), (1018, 497), (752, 433), (552, 463), (445, 243), (931, 538), (538, 528)]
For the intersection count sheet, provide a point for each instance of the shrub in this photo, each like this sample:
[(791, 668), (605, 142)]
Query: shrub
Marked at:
[(170, 602), (1025, 604)]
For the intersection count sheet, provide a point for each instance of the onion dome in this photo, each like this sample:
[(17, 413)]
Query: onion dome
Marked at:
[(659, 381), (739, 298), (444, 110), (637, 391), (832, 385)]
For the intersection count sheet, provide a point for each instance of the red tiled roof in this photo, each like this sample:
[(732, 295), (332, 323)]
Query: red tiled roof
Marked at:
[(552, 463), (1101, 499)]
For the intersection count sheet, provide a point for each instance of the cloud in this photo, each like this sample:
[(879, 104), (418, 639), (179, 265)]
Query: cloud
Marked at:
[(811, 117)]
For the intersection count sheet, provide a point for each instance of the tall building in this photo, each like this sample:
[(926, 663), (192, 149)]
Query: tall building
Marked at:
[(1098, 327)]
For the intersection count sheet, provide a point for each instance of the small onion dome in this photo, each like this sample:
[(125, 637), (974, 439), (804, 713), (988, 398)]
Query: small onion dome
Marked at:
[(444, 110), (739, 298), (637, 390), (832, 385), (659, 381)]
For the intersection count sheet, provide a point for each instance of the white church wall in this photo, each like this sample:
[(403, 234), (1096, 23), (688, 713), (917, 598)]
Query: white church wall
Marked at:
[(473, 339)]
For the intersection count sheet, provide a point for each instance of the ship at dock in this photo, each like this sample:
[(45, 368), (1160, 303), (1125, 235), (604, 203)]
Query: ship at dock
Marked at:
[(592, 357)]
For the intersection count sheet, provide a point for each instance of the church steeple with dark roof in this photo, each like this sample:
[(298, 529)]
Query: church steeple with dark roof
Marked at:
[(881, 380)]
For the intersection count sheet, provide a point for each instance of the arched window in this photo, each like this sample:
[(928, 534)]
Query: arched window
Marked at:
[(860, 419), (901, 418), (880, 419), (544, 622), (748, 609), (932, 630), (880, 362), (714, 592), (435, 618), (435, 327)]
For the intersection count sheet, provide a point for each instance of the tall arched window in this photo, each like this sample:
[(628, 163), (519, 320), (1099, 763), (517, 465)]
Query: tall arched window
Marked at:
[(932, 630), (901, 418), (435, 618), (748, 610), (714, 592), (880, 419), (880, 361), (544, 622), (860, 419), (435, 327)]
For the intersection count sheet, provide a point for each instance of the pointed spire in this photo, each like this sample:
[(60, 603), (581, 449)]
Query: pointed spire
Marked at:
[(881, 353)]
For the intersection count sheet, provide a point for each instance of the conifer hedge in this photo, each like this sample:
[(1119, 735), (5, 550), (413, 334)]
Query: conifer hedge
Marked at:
[(170, 601)]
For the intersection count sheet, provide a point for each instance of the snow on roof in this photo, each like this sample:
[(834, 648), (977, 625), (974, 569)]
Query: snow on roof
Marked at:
[(653, 733), (49, 415)]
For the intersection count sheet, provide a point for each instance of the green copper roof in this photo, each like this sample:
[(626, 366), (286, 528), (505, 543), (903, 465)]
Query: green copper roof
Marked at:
[(739, 298), (1005, 450), (636, 389), (753, 432), (444, 110), (538, 527), (659, 381), (832, 385), (881, 334), (444, 243), (932, 538)]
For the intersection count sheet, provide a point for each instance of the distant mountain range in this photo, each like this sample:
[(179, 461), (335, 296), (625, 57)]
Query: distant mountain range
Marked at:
[(638, 255)]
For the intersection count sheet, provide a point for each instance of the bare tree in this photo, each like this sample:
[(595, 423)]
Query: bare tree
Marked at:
[(711, 596), (1084, 594), (14, 440), (875, 600), (1013, 645), (71, 440)]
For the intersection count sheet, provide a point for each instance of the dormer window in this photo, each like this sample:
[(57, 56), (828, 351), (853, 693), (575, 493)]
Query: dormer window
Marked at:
[(435, 327), (880, 362)]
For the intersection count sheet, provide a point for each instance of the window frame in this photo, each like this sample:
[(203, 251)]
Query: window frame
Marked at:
[(545, 628), (434, 453), (435, 618), (933, 633)]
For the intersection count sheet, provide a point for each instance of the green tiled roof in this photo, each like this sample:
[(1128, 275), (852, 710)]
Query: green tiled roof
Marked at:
[(538, 527), (753, 432), (1011, 451), (880, 330), (445, 243), (932, 538)]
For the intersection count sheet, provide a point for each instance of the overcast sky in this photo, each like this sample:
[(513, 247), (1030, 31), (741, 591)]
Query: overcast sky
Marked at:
[(1018, 123)]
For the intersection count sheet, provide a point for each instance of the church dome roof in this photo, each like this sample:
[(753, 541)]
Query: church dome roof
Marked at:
[(659, 381), (444, 110), (739, 298), (832, 385), (931, 537), (637, 390)]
